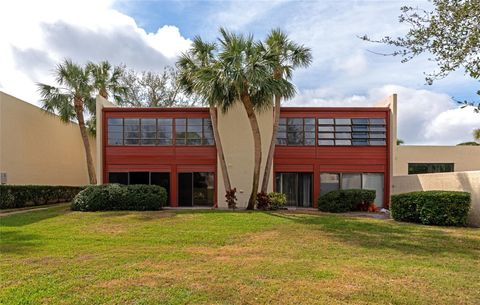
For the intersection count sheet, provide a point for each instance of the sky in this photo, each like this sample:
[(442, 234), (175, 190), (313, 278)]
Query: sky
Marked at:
[(149, 35)]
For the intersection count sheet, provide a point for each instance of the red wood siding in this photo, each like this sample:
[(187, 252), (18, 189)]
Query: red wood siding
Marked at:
[(171, 159), (335, 159)]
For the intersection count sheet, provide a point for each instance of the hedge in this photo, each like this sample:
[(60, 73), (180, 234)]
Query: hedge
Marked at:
[(19, 196), (443, 208), (340, 201), (115, 197)]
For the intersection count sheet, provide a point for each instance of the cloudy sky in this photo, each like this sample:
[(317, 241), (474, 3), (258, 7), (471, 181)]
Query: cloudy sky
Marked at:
[(147, 34)]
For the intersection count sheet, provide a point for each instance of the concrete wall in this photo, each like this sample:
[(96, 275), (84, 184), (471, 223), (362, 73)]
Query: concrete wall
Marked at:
[(237, 141), (100, 104), (465, 158), (37, 148), (457, 181)]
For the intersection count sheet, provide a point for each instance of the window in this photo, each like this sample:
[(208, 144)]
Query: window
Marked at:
[(121, 178), (139, 178), (165, 131), (329, 182), (351, 131), (193, 131), (425, 168), (351, 181), (131, 131), (149, 131), (345, 181), (115, 131), (159, 131), (296, 131)]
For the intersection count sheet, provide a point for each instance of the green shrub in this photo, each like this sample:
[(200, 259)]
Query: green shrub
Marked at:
[(18, 196), (404, 207), (114, 197), (277, 200), (340, 201), (443, 208)]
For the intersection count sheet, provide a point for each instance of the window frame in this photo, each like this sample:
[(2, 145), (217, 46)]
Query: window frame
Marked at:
[(207, 137)]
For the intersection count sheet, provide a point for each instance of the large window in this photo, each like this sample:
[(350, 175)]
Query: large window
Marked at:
[(425, 168), (159, 131), (153, 178), (296, 131), (351, 131), (193, 131), (345, 181)]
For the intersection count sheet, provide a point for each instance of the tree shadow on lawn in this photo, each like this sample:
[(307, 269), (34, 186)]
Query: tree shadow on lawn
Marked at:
[(17, 242), (383, 234), (23, 219)]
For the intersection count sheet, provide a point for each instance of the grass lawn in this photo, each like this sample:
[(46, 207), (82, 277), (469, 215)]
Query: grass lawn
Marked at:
[(206, 257)]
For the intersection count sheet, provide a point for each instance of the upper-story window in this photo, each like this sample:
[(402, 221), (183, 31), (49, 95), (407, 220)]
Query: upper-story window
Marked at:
[(296, 131), (193, 131), (351, 131), (159, 131)]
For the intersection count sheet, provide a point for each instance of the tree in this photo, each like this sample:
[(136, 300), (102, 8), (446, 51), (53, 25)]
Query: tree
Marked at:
[(400, 142), (450, 32), (106, 80), (71, 99), (287, 55), (246, 68), (191, 64), (241, 70), (152, 89), (476, 138)]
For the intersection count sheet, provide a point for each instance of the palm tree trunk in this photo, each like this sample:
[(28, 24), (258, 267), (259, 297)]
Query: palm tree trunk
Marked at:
[(257, 142), (103, 93), (218, 144), (271, 151), (78, 104)]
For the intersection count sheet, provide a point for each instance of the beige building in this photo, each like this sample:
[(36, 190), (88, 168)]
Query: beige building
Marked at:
[(36, 147)]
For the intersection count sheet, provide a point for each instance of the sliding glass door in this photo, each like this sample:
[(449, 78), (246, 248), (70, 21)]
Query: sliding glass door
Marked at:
[(297, 187), (196, 189)]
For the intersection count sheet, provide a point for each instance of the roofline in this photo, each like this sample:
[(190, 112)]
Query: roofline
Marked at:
[(203, 109)]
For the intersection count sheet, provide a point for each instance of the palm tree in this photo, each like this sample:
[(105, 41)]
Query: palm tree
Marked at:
[(245, 70), (201, 56), (287, 56), (107, 81), (70, 100), (239, 69)]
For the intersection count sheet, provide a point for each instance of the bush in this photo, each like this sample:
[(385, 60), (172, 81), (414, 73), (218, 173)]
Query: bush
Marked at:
[(443, 208), (114, 197), (263, 202), (19, 196), (277, 200), (340, 201), (231, 198)]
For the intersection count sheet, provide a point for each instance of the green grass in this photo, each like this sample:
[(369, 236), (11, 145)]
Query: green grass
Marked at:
[(205, 257)]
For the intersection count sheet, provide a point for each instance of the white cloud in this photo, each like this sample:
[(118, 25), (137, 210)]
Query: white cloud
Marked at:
[(38, 34), (168, 41), (353, 65), (238, 14), (424, 117)]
